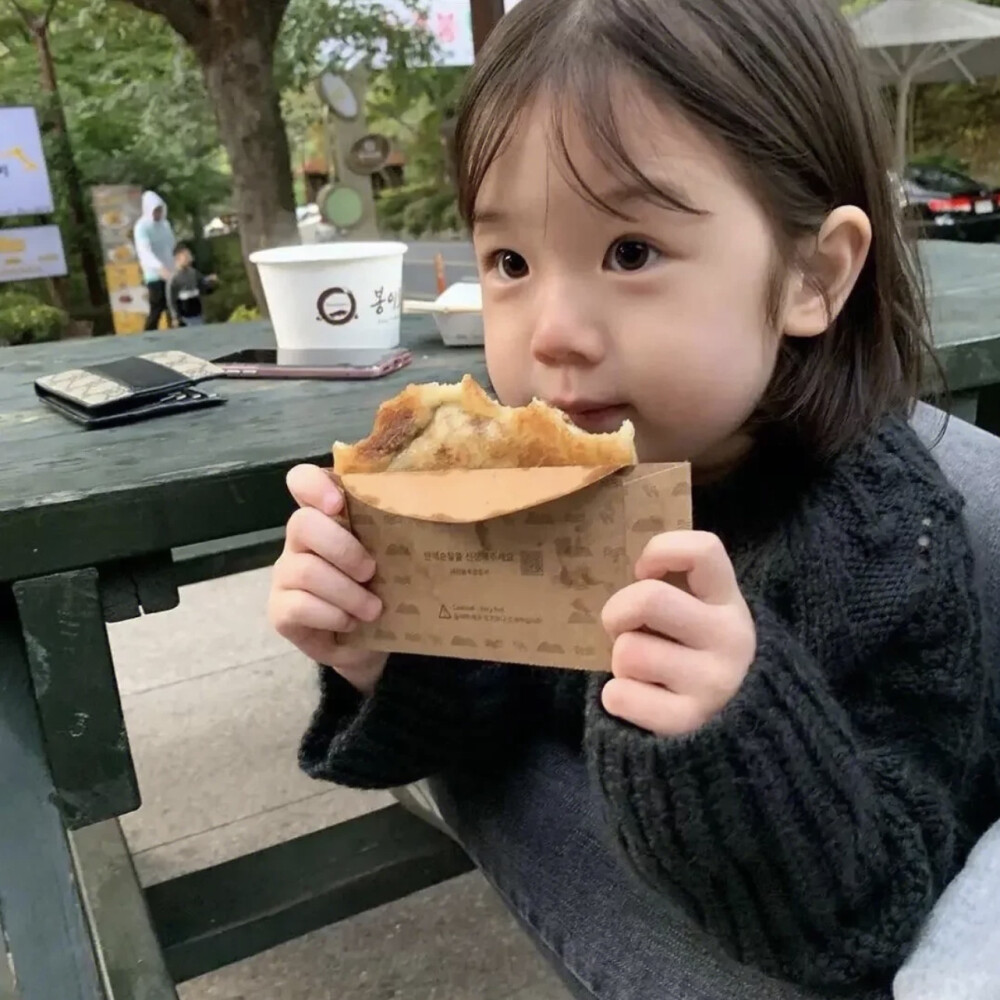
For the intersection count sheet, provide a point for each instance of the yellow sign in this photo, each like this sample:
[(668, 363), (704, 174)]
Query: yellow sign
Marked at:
[(24, 179), (8, 245), (17, 153), (117, 207), (31, 252)]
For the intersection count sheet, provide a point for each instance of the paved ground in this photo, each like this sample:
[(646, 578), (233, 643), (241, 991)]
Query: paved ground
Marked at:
[(419, 275), (215, 704)]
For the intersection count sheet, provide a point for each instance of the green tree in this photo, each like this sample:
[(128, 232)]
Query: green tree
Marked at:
[(134, 109), (416, 112), (34, 25), (140, 113), (954, 123), (247, 53)]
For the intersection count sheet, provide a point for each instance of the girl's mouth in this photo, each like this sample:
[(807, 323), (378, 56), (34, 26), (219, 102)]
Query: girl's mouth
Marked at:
[(597, 419)]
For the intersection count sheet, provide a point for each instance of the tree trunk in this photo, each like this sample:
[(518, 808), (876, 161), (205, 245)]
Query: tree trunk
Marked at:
[(486, 16), (74, 185), (237, 60)]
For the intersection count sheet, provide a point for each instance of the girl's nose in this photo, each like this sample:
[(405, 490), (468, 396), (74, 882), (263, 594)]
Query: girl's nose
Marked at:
[(567, 329)]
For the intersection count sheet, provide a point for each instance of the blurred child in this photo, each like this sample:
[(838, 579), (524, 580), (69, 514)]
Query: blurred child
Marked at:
[(186, 287)]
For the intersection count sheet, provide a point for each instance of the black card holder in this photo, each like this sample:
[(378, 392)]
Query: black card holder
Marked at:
[(130, 389)]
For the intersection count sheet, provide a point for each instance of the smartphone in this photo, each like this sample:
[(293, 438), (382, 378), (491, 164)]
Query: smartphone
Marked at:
[(263, 363)]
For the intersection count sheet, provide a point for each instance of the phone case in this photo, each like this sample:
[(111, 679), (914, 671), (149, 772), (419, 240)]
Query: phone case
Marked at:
[(130, 389), (337, 372)]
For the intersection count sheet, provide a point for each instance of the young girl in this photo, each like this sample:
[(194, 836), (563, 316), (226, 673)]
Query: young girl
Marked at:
[(684, 217)]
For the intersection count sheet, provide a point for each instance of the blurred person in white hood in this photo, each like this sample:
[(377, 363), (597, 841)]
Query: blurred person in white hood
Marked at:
[(154, 246)]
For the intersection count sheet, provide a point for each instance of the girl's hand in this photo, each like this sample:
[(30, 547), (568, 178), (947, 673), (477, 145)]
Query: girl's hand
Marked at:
[(678, 657), (318, 585)]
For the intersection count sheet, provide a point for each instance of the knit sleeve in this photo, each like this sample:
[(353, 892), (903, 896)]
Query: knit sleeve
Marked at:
[(427, 716), (813, 823)]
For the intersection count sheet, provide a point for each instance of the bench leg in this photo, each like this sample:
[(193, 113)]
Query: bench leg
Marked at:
[(44, 922), (131, 960)]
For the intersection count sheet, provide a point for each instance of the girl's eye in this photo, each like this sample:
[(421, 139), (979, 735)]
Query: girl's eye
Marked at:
[(510, 265), (631, 255)]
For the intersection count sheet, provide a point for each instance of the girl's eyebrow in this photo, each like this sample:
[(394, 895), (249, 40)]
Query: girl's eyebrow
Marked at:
[(488, 216), (656, 190), (665, 193)]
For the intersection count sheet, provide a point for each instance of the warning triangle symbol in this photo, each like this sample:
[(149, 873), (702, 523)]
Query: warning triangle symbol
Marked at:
[(444, 613)]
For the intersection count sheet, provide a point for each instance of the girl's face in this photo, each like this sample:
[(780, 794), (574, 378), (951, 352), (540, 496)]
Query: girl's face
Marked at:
[(661, 320)]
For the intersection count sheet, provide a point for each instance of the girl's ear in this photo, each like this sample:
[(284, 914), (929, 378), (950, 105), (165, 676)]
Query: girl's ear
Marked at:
[(828, 271)]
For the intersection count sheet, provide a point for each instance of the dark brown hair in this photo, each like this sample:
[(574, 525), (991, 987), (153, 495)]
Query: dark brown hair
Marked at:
[(781, 87)]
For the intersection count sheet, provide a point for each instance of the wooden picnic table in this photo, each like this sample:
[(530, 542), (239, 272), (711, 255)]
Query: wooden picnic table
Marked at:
[(102, 525), (99, 526)]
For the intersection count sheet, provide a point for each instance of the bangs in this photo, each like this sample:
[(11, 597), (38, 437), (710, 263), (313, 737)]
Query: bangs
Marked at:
[(578, 99), (780, 87)]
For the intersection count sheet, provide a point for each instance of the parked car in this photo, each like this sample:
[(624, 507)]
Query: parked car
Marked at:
[(944, 204)]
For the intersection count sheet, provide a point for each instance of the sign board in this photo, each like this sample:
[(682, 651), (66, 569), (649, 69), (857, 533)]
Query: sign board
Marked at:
[(369, 154), (34, 252), (449, 21), (24, 177), (337, 95), (117, 208)]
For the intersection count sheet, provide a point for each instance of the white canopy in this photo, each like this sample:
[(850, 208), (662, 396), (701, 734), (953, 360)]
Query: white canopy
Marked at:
[(928, 41)]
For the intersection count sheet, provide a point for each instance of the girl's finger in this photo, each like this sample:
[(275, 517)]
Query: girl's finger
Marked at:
[(296, 609), (307, 571), (699, 555), (309, 530), (356, 666), (659, 607), (639, 656), (651, 707), (316, 644), (312, 486)]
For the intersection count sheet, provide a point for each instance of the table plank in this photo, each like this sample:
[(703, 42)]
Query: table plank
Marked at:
[(963, 283)]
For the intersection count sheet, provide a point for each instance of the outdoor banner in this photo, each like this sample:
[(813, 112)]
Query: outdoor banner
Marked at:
[(33, 252), (449, 21), (117, 208), (24, 177)]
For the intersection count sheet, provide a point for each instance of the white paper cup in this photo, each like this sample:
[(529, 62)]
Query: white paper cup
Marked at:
[(327, 298)]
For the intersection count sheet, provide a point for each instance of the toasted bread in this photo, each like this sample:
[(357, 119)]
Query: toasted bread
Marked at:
[(435, 427)]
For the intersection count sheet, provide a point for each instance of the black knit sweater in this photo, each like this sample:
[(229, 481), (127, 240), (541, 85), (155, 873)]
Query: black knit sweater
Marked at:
[(812, 824)]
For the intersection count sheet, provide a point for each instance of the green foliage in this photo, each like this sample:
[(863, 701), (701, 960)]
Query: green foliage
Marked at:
[(948, 161), (14, 297), (407, 101), (225, 258), (413, 112), (30, 323), (418, 210), (336, 34), (244, 314), (133, 100), (955, 125), (137, 110), (959, 125)]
